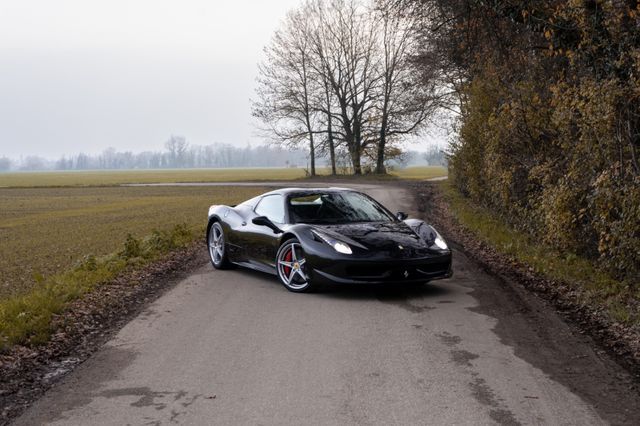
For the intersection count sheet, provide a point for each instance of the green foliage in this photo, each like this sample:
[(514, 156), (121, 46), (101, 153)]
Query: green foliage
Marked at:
[(166, 241), (132, 248)]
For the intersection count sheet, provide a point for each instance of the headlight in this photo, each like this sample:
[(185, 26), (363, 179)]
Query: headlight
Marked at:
[(440, 242), (338, 245), (342, 247)]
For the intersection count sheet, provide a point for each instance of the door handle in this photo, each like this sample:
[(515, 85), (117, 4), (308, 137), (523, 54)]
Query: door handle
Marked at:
[(244, 223)]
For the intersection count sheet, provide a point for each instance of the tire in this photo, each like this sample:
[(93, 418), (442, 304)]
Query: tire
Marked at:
[(291, 267), (217, 247)]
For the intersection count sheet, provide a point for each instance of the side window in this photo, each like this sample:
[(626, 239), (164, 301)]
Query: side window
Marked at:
[(272, 206)]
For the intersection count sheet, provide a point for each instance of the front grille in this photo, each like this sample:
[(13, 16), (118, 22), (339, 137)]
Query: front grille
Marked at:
[(399, 272), (432, 268), (368, 271)]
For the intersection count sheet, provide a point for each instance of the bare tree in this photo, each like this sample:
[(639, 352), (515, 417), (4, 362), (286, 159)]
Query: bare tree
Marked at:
[(286, 85), (325, 98), (407, 97), (5, 164), (339, 74), (177, 147), (33, 162), (346, 47), (331, 142)]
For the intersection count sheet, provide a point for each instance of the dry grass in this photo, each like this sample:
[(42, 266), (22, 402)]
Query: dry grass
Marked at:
[(48, 230)]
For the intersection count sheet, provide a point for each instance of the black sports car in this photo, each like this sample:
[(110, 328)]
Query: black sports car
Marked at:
[(309, 236)]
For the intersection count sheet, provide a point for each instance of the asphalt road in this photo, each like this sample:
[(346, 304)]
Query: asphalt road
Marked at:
[(234, 347)]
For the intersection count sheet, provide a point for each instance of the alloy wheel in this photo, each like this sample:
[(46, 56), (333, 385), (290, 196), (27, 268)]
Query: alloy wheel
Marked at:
[(291, 266), (216, 244)]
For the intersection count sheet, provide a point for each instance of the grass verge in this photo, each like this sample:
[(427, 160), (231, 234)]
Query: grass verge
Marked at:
[(592, 286), (27, 319)]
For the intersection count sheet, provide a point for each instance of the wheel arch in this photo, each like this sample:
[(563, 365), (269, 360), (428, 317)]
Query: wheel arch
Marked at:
[(301, 232), (287, 236), (212, 219)]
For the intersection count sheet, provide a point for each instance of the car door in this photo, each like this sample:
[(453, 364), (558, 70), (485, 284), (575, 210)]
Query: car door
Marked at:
[(236, 219), (262, 242)]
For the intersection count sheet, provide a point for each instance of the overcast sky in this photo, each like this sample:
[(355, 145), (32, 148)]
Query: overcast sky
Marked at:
[(84, 75)]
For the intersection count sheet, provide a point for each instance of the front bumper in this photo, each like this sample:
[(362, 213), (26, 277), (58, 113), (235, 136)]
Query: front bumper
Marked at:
[(358, 271)]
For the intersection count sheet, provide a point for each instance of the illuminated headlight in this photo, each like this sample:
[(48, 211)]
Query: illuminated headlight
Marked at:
[(342, 247), (337, 245), (440, 242)]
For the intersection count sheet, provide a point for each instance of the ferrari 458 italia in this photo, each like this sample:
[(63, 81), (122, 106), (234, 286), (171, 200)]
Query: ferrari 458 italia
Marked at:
[(310, 236)]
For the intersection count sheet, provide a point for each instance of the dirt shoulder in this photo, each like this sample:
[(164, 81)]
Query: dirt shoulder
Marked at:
[(26, 373), (575, 344)]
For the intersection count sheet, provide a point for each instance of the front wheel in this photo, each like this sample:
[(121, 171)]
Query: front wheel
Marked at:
[(217, 247), (292, 267)]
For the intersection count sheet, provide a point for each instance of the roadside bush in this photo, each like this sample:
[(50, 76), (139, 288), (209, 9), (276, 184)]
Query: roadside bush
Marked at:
[(168, 240), (550, 123), (132, 248)]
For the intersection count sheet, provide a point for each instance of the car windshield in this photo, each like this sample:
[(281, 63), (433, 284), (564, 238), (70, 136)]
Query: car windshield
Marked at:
[(336, 207)]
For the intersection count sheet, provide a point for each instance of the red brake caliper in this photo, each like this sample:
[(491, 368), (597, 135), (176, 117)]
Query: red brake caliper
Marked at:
[(287, 258)]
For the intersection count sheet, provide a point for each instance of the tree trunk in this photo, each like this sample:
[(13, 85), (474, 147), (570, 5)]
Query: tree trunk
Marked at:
[(332, 148), (355, 159), (380, 169), (356, 149), (312, 155)]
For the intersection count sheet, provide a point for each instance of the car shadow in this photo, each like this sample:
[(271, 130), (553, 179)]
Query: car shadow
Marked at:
[(393, 292), (389, 293)]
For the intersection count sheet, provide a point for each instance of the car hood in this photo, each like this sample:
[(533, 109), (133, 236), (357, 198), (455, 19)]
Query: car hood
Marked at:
[(396, 239)]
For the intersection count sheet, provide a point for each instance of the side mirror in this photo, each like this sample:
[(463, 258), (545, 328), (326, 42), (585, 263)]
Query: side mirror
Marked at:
[(265, 221), (401, 216)]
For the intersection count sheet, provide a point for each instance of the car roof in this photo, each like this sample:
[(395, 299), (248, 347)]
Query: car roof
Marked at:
[(293, 191), (288, 191)]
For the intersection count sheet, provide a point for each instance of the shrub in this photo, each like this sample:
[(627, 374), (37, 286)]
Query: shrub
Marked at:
[(550, 138)]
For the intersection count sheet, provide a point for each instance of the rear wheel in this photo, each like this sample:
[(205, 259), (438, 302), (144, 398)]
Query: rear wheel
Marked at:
[(292, 267), (217, 247)]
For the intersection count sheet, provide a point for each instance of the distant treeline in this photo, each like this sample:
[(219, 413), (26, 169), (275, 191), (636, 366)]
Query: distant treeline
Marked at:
[(179, 154)]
